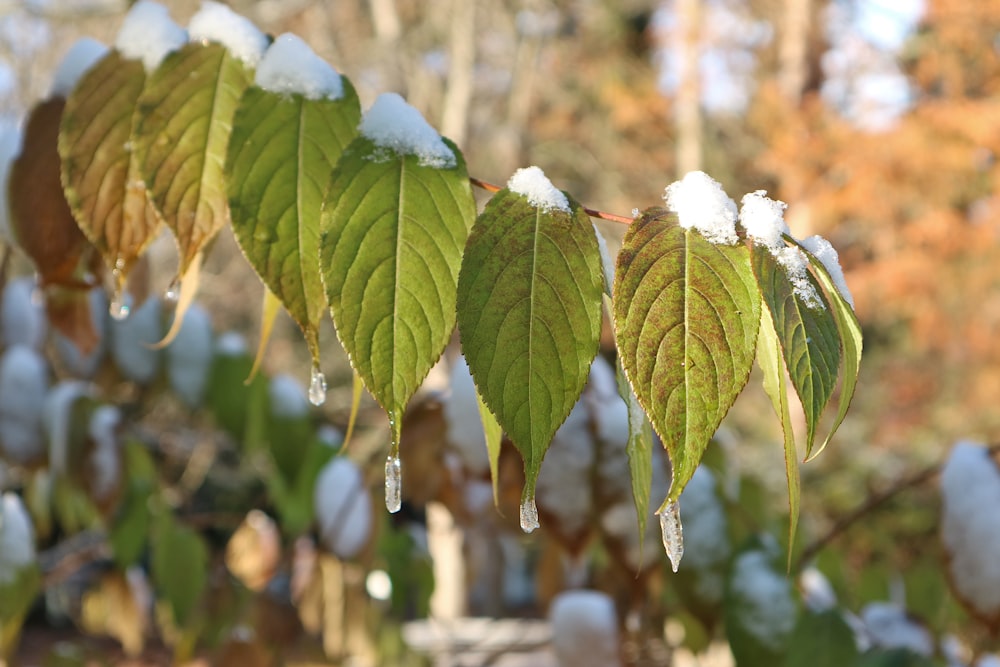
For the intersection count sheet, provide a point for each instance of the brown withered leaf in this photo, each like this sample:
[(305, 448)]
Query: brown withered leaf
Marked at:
[(41, 219)]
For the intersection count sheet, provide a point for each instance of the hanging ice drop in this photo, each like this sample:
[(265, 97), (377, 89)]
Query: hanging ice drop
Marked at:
[(119, 306), (317, 386), (173, 293), (673, 534), (529, 515), (393, 483)]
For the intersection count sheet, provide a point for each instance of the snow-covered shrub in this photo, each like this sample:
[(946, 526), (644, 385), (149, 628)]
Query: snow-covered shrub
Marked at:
[(23, 385), (343, 508)]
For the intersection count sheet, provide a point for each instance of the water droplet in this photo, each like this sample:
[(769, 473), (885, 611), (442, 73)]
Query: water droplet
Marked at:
[(673, 534), (127, 146), (120, 264), (529, 515), (317, 388), (120, 305), (393, 483), (173, 292)]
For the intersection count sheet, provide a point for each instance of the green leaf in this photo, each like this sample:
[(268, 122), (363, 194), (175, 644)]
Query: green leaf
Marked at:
[(494, 439), (390, 249), (808, 337), (639, 450), (183, 118), (282, 151), (529, 312), (130, 530), (233, 402), (179, 567), (896, 657), (686, 316), (822, 640), (100, 172), (850, 340), (773, 367)]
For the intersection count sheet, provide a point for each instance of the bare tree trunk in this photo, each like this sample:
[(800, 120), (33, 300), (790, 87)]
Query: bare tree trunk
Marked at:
[(688, 110), (793, 53), (462, 56)]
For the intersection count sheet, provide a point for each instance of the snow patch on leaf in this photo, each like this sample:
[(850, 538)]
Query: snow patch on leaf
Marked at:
[(824, 251), (888, 626), (23, 385), (106, 457), (149, 34), (532, 184), (17, 538), (290, 67), (701, 204), (215, 22), (762, 598), (763, 219), (393, 124)]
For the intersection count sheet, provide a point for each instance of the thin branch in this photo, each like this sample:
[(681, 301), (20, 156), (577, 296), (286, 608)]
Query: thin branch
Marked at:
[(871, 504), (593, 213)]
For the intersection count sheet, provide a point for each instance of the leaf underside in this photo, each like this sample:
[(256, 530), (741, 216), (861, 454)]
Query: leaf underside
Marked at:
[(390, 249), (100, 173), (686, 315), (529, 313), (282, 152)]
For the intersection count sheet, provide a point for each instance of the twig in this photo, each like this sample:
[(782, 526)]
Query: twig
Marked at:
[(593, 213), (871, 504)]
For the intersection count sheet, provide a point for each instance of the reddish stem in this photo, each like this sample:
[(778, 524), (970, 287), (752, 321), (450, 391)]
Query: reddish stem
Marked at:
[(593, 213)]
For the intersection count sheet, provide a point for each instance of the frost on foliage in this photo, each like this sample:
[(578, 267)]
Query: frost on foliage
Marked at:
[(563, 490), (532, 184), (888, 626), (70, 357), (393, 124), (83, 55), (17, 538), (343, 508), (464, 428), (700, 203), (132, 339), (189, 356), (762, 600), (822, 250), (23, 385), (584, 629), (706, 542), (10, 148), (290, 67), (22, 318), (149, 34), (215, 22), (288, 397), (58, 411), (970, 526), (763, 219)]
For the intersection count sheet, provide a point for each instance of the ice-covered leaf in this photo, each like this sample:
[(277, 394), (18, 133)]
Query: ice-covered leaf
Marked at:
[(41, 220), (100, 172), (772, 365), (849, 330), (393, 229), (686, 317), (807, 333), (529, 312), (283, 149)]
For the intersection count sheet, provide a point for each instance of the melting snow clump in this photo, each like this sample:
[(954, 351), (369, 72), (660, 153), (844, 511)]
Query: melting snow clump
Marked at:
[(532, 184), (216, 22), (970, 529), (825, 252), (393, 124), (290, 67), (700, 203), (149, 34), (83, 55), (764, 219)]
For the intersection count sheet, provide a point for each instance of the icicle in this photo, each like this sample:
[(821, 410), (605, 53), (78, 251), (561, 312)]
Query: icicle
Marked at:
[(529, 515), (173, 293), (673, 534), (393, 483), (317, 389), (119, 307)]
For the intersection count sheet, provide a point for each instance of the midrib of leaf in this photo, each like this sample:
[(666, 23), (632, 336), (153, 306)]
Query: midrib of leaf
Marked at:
[(299, 171), (687, 347), (202, 185), (531, 336), (400, 218)]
